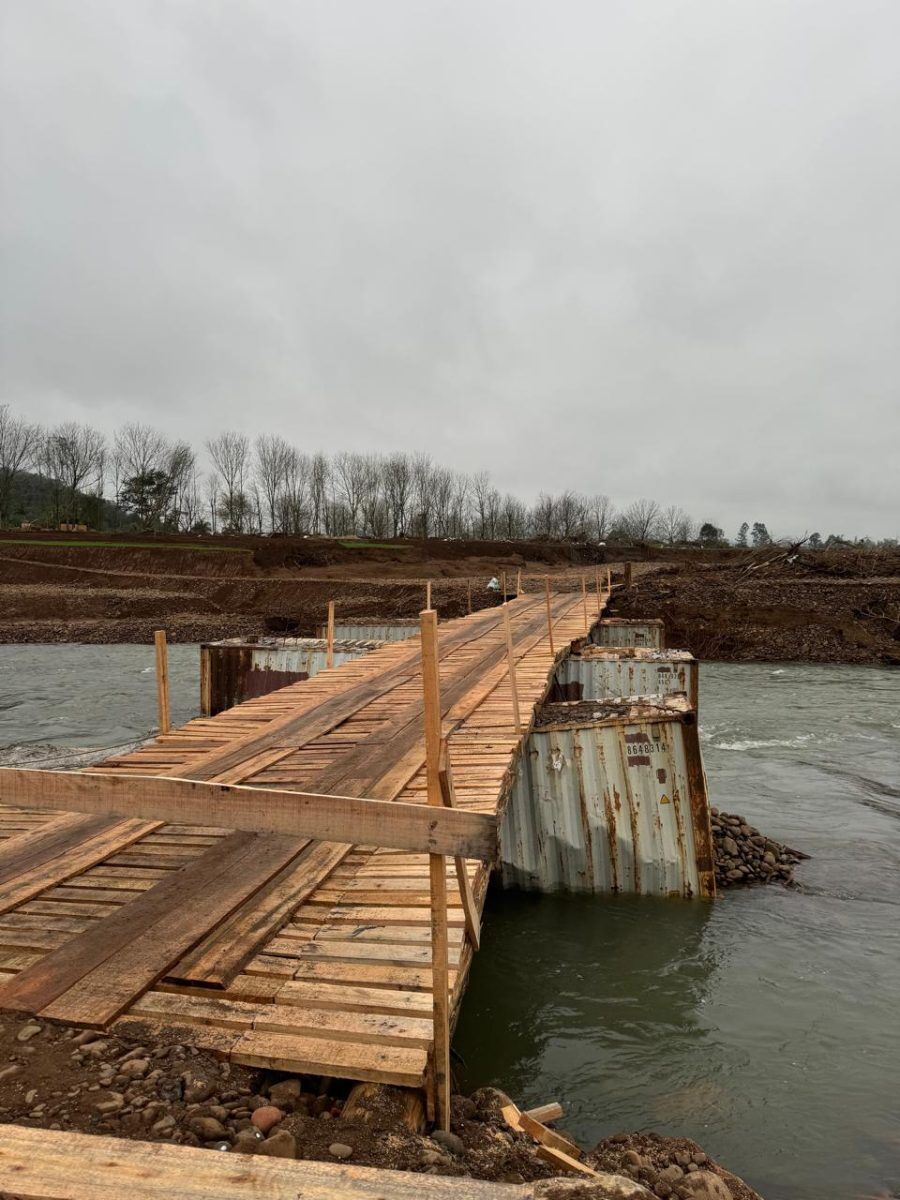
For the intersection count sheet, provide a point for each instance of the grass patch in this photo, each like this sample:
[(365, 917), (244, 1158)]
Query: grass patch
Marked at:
[(373, 546), (124, 545)]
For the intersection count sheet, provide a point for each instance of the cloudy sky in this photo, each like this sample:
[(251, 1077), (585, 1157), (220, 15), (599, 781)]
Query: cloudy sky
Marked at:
[(646, 248)]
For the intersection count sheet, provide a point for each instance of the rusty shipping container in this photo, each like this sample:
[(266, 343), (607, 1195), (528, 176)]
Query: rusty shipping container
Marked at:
[(623, 631), (608, 672), (234, 670), (610, 797)]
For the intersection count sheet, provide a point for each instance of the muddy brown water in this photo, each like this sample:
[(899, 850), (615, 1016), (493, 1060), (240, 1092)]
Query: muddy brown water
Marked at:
[(764, 1025)]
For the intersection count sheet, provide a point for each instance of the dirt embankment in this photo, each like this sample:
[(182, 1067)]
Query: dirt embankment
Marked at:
[(787, 612), (102, 593), (150, 1086)]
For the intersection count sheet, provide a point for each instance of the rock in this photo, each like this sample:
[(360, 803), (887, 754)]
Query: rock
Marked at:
[(12, 1069), (285, 1094), (113, 1102), (431, 1158), (340, 1150), (31, 1096), (248, 1141), (86, 1036), (27, 1032), (704, 1185), (449, 1141), (208, 1129), (729, 845), (266, 1118), (632, 1158), (137, 1068), (196, 1090), (279, 1144), (662, 1188), (671, 1174)]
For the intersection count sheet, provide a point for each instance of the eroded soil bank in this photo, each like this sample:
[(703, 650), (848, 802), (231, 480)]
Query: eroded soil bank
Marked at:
[(162, 1090)]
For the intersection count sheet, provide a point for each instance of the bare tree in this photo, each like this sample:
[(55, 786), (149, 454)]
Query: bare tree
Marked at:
[(423, 493), (570, 516), (72, 455), (350, 479), (600, 512), (19, 449), (230, 454), (272, 454), (640, 520), (397, 484), (675, 525)]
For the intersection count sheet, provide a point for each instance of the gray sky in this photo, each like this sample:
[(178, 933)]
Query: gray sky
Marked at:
[(640, 248)]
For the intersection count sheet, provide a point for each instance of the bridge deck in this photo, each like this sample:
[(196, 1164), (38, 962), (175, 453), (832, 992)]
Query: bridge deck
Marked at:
[(297, 955)]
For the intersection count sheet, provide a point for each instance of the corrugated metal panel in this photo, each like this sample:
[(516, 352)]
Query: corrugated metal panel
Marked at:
[(597, 673), (379, 631), (607, 806), (621, 631)]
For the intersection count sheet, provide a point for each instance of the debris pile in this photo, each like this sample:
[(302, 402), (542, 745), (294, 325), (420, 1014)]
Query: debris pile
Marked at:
[(670, 1168), (744, 855)]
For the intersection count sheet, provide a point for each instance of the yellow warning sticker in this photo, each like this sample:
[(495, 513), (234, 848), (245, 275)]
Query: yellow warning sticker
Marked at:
[(664, 799)]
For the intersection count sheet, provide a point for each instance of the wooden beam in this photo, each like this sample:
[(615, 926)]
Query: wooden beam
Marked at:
[(329, 637), (545, 1112), (162, 681), (80, 1166), (205, 682), (511, 660), (549, 615), (389, 824), (437, 876)]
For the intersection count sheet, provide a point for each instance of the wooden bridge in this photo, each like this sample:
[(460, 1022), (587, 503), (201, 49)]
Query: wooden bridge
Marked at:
[(309, 954)]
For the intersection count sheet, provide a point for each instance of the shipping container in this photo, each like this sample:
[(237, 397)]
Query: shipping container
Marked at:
[(623, 631), (369, 631), (610, 797), (608, 672), (234, 670)]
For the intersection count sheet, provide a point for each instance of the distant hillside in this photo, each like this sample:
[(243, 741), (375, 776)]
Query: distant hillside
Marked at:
[(36, 498)]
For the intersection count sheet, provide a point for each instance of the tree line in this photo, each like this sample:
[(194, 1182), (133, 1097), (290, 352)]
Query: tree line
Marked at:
[(142, 479)]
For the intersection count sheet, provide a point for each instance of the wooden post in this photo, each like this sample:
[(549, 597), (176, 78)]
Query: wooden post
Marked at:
[(205, 682), (629, 569), (437, 874), (162, 681), (428, 594), (519, 582), (469, 589), (329, 637), (599, 591), (549, 615), (511, 659), (587, 622), (608, 580), (503, 584)]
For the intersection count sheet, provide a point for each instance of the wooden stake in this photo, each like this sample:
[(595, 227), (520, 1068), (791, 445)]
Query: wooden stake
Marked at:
[(608, 580), (549, 615), (599, 592), (329, 637), (162, 681), (511, 659), (428, 594), (629, 570), (437, 873), (519, 582), (205, 682), (587, 623), (503, 584), (469, 590), (470, 909)]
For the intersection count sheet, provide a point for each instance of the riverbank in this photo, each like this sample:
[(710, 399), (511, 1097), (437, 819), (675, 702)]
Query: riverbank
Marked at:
[(162, 1090)]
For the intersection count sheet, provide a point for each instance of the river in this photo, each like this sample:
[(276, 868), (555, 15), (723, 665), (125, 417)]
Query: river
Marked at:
[(765, 1025)]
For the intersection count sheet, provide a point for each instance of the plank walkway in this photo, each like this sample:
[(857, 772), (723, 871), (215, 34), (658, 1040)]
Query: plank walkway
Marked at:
[(273, 951)]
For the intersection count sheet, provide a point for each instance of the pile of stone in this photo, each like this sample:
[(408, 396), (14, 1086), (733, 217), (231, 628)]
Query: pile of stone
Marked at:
[(744, 855), (669, 1168)]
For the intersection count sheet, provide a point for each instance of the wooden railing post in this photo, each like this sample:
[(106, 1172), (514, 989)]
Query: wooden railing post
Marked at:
[(503, 585), (329, 637), (205, 682), (599, 591), (469, 593), (511, 658), (162, 681), (428, 594), (437, 874), (549, 615), (519, 582), (587, 620), (608, 580)]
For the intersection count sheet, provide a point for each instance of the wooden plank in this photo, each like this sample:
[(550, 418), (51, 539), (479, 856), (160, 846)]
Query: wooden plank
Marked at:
[(52, 838), (402, 1066), (109, 840), (300, 814), (37, 1164), (224, 951), (91, 978), (470, 908)]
